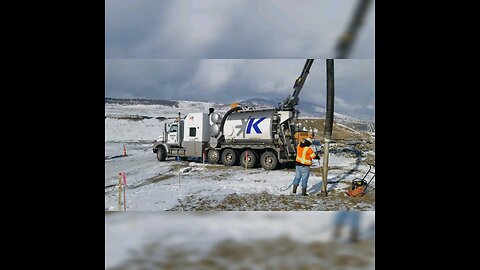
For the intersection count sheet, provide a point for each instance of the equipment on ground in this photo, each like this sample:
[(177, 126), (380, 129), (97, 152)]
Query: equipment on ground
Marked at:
[(360, 185)]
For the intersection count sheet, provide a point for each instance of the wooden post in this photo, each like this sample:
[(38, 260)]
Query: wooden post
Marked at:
[(325, 166), (124, 193), (120, 191)]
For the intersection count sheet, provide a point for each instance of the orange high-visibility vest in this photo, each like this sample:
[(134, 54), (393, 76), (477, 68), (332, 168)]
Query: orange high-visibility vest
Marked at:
[(305, 155)]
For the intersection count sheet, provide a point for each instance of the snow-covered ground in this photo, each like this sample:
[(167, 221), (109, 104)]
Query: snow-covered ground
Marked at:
[(154, 185), (146, 129), (147, 239)]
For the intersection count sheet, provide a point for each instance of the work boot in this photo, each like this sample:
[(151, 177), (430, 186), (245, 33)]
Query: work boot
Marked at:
[(337, 232), (304, 191), (295, 189), (354, 235)]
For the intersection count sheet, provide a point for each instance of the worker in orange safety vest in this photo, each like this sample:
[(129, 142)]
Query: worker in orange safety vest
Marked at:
[(305, 155)]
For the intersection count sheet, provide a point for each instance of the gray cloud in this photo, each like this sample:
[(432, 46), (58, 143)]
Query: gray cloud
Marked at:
[(232, 29), (230, 80)]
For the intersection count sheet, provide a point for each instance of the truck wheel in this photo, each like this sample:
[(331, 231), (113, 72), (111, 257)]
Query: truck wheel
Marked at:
[(269, 161), (213, 156), (252, 159), (229, 157), (161, 153)]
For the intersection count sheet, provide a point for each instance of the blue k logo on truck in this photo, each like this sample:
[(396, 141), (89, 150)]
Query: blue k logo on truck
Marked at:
[(254, 124), (247, 126)]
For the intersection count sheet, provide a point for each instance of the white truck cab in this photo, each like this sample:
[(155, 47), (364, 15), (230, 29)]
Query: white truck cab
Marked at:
[(184, 138)]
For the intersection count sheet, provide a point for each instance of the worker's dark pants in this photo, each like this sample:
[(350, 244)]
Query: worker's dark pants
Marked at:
[(348, 218), (301, 172)]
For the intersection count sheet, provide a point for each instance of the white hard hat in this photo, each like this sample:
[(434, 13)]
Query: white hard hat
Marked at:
[(309, 140)]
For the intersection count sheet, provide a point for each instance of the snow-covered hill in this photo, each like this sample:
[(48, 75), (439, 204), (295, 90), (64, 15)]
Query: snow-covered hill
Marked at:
[(143, 120), (307, 109)]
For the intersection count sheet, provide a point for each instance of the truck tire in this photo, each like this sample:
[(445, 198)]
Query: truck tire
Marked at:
[(269, 161), (213, 156), (161, 153), (230, 157), (252, 159)]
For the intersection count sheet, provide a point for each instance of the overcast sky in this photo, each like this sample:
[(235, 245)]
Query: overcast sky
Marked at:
[(233, 28), (231, 80)]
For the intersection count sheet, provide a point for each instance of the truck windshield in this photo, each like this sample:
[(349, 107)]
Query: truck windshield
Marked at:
[(173, 128)]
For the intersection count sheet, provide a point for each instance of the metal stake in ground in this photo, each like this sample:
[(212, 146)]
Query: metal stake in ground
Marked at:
[(328, 121), (178, 165)]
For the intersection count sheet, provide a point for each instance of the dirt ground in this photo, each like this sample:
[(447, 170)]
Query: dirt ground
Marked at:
[(336, 200), (361, 153), (281, 253), (268, 202)]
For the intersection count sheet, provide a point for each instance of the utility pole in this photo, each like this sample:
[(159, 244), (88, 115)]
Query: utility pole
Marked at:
[(328, 121)]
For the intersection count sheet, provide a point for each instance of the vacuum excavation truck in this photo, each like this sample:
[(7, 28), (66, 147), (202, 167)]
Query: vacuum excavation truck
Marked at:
[(244, 135)]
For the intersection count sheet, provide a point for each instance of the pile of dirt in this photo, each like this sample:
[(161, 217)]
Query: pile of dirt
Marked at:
[(279, 253), (265, 201)]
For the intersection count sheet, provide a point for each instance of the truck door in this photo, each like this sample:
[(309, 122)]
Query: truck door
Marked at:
[(192, 134), (192, 142), (172, 134)]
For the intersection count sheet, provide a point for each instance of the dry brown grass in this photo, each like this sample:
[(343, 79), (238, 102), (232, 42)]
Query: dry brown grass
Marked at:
[(339, 132)]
